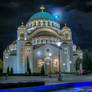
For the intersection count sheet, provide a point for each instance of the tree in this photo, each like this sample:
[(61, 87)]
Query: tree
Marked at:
[(77, 63), (11, 70), (1, 65), (87, 61), (42, 70), (8, 70), (28, 67)]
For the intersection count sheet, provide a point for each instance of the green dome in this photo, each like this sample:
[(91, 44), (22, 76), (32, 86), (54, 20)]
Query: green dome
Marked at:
[(42, 15)]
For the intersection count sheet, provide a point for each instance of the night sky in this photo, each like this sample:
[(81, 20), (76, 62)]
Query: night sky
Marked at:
[(77, 14)]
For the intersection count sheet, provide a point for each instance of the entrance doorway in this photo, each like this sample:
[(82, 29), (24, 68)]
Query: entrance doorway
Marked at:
[(54, 64)]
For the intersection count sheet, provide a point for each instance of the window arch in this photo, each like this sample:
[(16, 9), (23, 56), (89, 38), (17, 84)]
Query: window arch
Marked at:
[(48, 23), (43, 23), (39, 23), (21, 35), (34, 24), (30, 25), (41, 41)]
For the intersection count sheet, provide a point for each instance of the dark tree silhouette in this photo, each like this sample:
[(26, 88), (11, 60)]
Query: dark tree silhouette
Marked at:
[(77, 63), (8, 70), (11, 70), (28, 66), (87, 61), (42, 70)]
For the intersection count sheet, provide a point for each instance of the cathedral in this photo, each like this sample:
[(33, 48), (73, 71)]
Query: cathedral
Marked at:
[(41, 42)]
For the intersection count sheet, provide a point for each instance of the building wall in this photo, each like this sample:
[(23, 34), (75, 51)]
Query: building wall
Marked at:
[(64, 58), (11, 62)]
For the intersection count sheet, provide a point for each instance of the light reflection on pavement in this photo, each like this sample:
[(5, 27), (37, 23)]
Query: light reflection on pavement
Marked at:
[(87, 89)]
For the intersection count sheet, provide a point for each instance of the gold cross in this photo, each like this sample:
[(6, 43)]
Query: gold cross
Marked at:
[(42, 8), (22, 23), (65, 24)]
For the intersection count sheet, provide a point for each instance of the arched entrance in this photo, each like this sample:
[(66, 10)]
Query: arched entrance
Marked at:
[(50, 65)]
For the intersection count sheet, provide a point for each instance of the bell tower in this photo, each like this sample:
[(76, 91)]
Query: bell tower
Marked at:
[(66, 31), (21, 32)]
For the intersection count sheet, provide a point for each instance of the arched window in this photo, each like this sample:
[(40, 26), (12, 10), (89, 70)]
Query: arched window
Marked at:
[(34, 24), (41, 41), (21, 35), (48, 23), (52, 24), (43, 23), (39, 23), (50, 41), (30, 25), (46, 41), (67, 36), (37, 41)]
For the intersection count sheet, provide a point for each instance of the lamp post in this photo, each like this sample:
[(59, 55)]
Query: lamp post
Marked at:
[(59, 77), (50, 54), (64, 66)]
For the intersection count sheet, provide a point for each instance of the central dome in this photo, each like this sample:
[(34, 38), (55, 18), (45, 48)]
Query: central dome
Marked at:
[(42, 15)]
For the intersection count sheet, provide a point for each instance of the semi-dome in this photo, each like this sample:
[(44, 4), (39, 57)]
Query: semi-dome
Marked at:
[(45, 33), (42, 15)]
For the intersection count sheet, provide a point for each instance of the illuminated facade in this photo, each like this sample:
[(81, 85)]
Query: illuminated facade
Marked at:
[(37, 44)]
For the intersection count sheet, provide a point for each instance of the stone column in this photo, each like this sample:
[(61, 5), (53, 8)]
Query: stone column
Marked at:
[(51, 65), (25, 36), (23, 59), (68, 60)]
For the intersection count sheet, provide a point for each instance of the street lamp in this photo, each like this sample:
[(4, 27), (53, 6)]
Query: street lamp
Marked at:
[(50, 54), (64, 66), (59, 77)]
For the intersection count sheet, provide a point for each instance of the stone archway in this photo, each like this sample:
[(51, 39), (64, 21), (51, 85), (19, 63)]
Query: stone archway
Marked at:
[(54, 68)]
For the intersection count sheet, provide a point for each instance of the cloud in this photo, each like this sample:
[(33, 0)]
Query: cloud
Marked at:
[(10, 4)]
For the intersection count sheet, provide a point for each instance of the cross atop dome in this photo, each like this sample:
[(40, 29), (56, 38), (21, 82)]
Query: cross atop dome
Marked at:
[(42, 8), (22, 23), (65, 24)]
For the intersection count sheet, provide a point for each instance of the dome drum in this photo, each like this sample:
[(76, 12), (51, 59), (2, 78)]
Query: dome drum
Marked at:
[(42, 23)]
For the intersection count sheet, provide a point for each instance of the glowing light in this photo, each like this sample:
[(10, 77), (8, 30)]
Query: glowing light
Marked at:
[(77, 89), (59, 44), (57, 16), (57, 13), (64, 64), (6, 57), (39, 53), (50, 54), (70, 62)]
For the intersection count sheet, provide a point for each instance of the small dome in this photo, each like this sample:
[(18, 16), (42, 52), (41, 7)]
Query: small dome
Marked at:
[(42, 15), (22, 26), (66, 28)]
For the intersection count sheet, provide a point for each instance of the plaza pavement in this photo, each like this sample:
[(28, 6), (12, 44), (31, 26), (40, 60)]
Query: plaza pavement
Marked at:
[(48, 81)]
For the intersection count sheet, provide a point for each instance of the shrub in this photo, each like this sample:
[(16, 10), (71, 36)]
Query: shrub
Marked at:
[(11, 71), (42, 70)]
